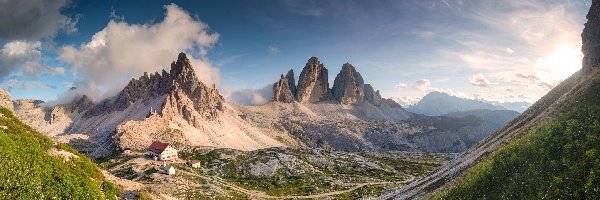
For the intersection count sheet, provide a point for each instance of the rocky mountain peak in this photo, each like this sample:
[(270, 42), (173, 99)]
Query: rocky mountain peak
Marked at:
[(180, 83), (591, 38), (182, 69), (282, 92), (313, 85), (348, 86), (372, 96), (291, 82)]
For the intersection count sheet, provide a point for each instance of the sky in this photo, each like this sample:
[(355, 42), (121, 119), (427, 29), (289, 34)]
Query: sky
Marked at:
[(496, 50)]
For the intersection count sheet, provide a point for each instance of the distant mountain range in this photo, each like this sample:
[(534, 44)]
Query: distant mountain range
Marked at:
[(439, 104)]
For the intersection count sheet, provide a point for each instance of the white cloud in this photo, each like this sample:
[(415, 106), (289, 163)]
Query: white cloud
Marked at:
[(249, 96), (479, 80), (68, 85), (33, 19), (273, 50), (121, 50), (401, 86), (11, 84), (23, 58), (27, 85), (407, 100), (422, 85), (510, 51)]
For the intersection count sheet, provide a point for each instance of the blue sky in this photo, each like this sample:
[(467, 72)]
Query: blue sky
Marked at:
[(498, 50)]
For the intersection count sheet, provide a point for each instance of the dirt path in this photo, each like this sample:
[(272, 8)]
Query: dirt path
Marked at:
[(263, 195)]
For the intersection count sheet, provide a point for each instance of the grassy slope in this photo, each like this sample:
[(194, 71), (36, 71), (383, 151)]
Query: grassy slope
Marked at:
[(558, 159), (27, 171)]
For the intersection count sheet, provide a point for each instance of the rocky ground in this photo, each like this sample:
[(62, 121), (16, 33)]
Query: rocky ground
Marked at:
[(274, 173)]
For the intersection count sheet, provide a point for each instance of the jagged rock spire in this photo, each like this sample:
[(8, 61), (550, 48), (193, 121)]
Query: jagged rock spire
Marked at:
[(313, 85), (591, 38), (348, 86), (291, 82), (282, 92), (372, 96)]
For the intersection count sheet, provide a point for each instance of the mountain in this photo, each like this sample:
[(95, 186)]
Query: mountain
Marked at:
[(171, 106), (519, 106), (548, 152), (176, 107), (352, 116), (492, 120), (34, 167), (438, 104), (348, 88)]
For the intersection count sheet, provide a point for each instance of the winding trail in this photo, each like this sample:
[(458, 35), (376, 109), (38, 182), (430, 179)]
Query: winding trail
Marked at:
[(263, 195)]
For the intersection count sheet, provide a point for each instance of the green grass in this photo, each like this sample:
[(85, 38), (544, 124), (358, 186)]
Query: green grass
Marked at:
[(27, 171), (559, 159)]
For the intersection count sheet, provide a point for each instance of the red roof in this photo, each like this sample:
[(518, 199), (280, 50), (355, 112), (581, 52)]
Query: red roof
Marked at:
[(158, 147), (191, 162)]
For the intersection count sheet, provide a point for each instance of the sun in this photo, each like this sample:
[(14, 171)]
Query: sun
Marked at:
[(562, 62)]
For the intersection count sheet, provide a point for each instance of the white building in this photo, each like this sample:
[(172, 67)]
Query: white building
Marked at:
[(168, 169), (194, 163), (162, 151)]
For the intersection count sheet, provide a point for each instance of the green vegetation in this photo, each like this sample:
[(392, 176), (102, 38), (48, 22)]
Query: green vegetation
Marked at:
[(559, 159), (366, 191), (308, 172), (27, 170)]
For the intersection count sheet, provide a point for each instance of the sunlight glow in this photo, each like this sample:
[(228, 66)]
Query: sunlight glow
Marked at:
[(562, 62)]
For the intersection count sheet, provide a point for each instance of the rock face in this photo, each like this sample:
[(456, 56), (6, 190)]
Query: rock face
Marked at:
[(372, 96), (291, 82), (179, 83), (174, 107), (6, 100), (591, 38), (313, 85), (348, 86), (282, 92)]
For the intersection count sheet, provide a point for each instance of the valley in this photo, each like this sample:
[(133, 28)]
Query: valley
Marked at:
[(276, 173), (344, 142)]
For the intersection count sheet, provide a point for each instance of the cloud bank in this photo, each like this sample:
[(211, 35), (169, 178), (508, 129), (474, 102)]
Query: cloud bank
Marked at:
[(479, 80), (33, 19), (121, 51), (21, 57), (249, 97)]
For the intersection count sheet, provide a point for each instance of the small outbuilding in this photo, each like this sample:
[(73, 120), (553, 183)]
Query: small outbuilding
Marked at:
[(168, 169), (193, 163)]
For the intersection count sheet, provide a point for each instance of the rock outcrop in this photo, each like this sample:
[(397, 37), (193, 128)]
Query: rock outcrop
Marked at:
[(313, 85), (372, 96), (348, 86), (282, 91), (591, 38), (6, 100), (291, 82)]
